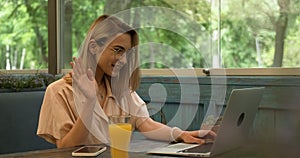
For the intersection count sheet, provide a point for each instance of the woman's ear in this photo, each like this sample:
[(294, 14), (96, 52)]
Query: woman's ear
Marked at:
[(94, 48)]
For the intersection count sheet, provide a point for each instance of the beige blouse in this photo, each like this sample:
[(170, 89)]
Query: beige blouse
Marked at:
[(58, 113)]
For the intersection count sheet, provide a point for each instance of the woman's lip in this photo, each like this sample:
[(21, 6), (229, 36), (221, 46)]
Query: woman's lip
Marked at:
[(117, 67)]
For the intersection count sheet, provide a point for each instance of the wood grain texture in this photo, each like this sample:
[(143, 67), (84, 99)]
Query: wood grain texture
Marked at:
[(279, 110)]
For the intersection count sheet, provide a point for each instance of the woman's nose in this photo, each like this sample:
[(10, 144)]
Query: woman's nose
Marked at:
[(123, 58)]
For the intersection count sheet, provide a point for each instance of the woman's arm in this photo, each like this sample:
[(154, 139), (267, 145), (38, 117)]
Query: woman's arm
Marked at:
[(159, 131), (84, 84), (76, 136)]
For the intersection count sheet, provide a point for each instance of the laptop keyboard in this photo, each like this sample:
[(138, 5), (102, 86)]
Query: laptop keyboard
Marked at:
[(204, 148)]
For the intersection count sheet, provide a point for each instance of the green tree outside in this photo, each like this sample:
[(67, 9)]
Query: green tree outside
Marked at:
[(252, 33)]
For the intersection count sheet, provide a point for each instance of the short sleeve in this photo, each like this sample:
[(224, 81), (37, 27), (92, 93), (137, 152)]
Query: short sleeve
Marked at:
[(140, 110), (57, 115)]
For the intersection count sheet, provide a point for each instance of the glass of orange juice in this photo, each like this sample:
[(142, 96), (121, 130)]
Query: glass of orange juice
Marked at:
[(120, 130)]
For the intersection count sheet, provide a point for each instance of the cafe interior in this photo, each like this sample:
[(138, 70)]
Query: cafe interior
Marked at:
[(192, 56)]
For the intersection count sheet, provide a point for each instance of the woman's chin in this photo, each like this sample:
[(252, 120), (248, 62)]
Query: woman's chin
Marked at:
[(114, 73)]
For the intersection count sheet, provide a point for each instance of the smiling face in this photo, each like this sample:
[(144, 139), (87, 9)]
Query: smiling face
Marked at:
[(113, 57)]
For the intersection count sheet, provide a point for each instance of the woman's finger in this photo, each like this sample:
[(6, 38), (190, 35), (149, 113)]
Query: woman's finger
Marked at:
[(78, 66), (72, 64), (212, 133), (202, 133), (90, 75), (81, 69), (75, 68), (78, 70), (196, 140)]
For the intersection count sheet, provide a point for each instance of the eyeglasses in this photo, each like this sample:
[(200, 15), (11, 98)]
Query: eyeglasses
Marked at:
[(120, 52)]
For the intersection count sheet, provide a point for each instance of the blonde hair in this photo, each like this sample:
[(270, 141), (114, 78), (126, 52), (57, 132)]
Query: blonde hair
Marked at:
[(104, 29)]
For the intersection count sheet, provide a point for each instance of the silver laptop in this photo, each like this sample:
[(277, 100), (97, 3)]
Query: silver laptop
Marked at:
[(237, 120)]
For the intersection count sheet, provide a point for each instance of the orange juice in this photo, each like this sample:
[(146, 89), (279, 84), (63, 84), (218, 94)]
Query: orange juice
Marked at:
[(120, 134)]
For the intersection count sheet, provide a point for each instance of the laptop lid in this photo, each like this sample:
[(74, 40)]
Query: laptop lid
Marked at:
[(237, 120)]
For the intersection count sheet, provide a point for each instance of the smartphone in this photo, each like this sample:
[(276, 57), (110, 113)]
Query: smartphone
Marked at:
[(89, 151)]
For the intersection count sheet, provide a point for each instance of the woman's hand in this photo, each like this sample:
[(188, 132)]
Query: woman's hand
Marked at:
[(82, 79), (198, 136)]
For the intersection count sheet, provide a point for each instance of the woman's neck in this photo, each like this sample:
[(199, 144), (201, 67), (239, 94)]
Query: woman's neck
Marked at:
[(100, 76)]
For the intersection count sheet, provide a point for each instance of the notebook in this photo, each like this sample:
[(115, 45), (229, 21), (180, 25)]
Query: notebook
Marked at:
[(237, 120)]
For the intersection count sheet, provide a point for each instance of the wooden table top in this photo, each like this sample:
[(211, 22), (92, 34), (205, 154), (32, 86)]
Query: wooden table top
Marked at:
[(244, 152), (140, 146)]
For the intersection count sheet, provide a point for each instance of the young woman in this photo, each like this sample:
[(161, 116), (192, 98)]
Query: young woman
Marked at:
[(105, 76)]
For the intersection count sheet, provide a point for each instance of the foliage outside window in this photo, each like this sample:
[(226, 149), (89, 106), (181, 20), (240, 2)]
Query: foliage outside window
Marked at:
[(260, 33), (249, 34), (231, 33), (23, 34)]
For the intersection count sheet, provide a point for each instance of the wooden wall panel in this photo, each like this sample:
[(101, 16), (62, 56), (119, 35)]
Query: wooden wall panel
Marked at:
[(287, 126), (264, 126), (278, 116)]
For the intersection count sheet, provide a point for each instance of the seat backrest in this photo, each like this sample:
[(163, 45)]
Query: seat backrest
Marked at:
[(19, 114)]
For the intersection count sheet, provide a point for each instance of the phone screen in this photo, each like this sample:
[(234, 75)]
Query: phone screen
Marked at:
[(89, 151)]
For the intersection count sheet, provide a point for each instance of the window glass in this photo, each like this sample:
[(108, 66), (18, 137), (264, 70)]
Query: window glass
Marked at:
[(76, 16), (193, 33), (23, 34), (260, 33), (178, 34), (182, 41)]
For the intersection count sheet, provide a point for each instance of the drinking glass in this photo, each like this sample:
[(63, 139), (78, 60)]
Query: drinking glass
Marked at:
[(120, 130)]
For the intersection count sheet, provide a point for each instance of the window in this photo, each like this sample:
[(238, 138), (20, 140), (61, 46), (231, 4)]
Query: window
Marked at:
[(169, 38), (203, 34), (23, 34), (260, 33), (213, 34), (75, 19)]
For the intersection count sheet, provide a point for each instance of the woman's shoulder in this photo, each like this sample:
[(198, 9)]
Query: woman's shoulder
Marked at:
[(60, 84)]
